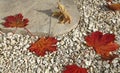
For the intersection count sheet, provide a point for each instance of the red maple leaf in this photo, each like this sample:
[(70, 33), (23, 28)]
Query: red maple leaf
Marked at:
[(42, 45), (103, 44), (113, 6), (16, 21), (109, 1), (74, 69)]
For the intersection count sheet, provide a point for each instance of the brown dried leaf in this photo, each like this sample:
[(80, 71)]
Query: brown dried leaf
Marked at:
[(62, 14)]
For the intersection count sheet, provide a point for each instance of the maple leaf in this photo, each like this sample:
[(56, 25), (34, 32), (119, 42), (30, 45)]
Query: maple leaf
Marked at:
[(74, 69), (42, 45), (113, 6), (103, 44), (16, 21), (109, 1)]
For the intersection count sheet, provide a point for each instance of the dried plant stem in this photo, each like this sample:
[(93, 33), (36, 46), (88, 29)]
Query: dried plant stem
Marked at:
[(14, 30), (1, 31), (29, 32)]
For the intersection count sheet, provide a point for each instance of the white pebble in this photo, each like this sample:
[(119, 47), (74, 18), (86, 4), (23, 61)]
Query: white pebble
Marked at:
[(47, 71), (62, 42), (39, 70), (56, 69), (107, 65), (88, 63)]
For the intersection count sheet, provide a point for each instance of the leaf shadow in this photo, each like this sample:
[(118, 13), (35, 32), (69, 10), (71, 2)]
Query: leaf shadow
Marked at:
[(48, 12)]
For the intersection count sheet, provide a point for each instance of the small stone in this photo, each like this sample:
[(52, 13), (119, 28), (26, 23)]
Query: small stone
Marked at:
[(56, 69), (52, 61), (88, 63), (62, 42), (16, 47), (114, 61), (78, 46), (10, 34), (0, 45), (25, 42), (91, 69), (99, 62), (47, 71), (38, 60), (59, 38), (87, 55), (13, 42), (113, 20), (27, 46), (106, 71), (107, 65), (39, 70)]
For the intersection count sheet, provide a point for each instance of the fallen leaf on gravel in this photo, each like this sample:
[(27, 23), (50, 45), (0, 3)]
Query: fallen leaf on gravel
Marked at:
[(110, 57), (74, 69), (109, 0), (42, 45), (113, 6), (103, 44)]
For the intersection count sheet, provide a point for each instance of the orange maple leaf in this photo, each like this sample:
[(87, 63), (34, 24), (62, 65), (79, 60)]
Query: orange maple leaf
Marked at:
[(74, 69), (103, 44), (42, 45)]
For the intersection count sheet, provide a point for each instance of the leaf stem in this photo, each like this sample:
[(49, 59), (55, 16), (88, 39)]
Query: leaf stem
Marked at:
[(29, 32), (15, 30)]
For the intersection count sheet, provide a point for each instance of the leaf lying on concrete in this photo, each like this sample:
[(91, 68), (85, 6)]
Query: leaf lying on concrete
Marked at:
[(62, 14)]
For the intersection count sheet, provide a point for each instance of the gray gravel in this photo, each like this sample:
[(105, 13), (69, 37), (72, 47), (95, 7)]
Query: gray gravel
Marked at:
[(15, 57)]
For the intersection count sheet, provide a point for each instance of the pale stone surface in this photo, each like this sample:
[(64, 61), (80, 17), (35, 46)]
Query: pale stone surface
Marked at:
[(39, 12)]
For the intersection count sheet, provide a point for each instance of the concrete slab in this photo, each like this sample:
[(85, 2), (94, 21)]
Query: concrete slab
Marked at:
[(38, 12)]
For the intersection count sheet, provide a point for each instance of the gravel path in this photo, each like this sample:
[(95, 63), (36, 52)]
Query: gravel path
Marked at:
[(15, 57)]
